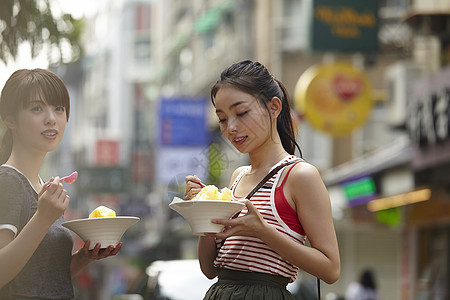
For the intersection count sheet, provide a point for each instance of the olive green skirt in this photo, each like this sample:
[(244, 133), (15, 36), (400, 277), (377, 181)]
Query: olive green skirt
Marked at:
[(237, 285)]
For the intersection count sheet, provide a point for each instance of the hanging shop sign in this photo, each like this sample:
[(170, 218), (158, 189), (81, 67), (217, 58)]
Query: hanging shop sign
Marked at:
[(428, 120), (359, 190), (429, 109), (349, 25), (182, 121), (334, 98)]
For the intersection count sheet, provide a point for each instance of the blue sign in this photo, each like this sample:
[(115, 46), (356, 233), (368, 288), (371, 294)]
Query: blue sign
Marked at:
[(182, 121)]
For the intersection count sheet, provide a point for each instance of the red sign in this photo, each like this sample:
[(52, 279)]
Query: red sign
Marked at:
[(107, 153)]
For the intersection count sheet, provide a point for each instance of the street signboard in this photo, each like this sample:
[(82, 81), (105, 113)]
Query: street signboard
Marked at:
[(344, 26), (183, 121)]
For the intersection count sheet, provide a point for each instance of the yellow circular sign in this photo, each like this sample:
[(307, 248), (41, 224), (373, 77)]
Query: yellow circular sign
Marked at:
[(334, 98)]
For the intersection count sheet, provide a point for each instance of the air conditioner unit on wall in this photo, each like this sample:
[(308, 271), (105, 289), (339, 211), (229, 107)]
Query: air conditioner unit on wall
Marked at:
[(398, 78)]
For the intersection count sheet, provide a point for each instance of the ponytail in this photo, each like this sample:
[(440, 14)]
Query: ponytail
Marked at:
[(285, 125)]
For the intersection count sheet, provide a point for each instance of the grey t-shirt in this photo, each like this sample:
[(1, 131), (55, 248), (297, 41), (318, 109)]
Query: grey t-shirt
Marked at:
[(47, 274)]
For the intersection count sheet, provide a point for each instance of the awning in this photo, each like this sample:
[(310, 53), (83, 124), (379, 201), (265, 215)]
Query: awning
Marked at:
[(397, 153)]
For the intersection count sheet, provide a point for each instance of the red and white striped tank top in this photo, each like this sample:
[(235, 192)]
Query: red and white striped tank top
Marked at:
[(252, 254)]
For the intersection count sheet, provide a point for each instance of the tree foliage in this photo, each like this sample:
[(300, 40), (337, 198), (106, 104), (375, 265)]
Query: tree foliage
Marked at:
[(33, 21)]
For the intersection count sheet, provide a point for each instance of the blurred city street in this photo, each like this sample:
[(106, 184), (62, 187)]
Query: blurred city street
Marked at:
[(369, 83)]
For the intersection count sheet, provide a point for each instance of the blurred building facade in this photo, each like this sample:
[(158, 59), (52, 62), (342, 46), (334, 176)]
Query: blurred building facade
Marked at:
[(139, 52)]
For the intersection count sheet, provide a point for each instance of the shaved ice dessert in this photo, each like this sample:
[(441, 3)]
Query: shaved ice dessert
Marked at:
[(101, 212), (211, 192)]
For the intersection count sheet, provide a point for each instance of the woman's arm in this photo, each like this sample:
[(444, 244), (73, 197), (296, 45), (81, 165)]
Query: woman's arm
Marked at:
[(305, 187), (16, 252), (207, 253)]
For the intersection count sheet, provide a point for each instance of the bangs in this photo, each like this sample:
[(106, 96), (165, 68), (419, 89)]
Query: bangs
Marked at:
[(45, 87)]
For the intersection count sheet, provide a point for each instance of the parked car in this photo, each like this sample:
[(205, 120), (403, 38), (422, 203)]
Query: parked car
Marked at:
[(183, 280), (176, 280)]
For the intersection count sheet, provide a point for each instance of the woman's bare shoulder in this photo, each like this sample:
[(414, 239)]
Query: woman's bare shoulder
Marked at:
[(304, 170), (304, 176), (236, 173)]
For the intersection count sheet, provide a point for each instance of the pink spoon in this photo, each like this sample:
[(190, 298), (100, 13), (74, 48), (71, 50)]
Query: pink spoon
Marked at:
[(68, 179)]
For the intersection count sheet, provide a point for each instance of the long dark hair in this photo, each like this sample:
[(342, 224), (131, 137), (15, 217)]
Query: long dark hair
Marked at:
[(253, 78), (367, 280), (24, 86)]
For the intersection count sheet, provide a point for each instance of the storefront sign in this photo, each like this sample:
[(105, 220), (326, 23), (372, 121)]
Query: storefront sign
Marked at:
[(349, 25), (428, 120), (429, 109), (419, 195), (334, 98)]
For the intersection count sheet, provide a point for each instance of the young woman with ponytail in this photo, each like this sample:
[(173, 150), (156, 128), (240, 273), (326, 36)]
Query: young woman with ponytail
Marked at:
[(261, 250), (36, 259)]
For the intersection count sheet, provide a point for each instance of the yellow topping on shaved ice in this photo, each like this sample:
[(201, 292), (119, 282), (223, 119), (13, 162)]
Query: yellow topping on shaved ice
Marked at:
[(211, 192), (226, 194), (102, 211)]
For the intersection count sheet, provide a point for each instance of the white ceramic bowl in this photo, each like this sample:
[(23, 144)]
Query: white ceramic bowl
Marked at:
[(106, 230), (199, 213)]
